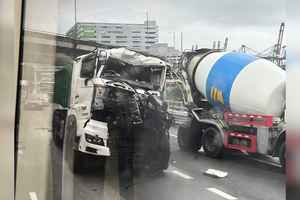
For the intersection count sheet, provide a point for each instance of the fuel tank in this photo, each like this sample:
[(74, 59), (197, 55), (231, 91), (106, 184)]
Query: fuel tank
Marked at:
[(238, 82)]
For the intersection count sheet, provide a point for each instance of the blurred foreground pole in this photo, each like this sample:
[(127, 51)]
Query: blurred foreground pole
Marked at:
[(10, 22)]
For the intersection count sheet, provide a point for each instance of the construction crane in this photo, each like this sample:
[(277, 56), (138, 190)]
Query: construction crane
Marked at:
[(276, 53), (279, 49)]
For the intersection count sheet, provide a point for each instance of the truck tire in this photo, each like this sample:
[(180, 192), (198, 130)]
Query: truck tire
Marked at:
[(282, 156), (57, 127), (212, 142), (72, 156), (187, 140), (151, 152), (163, 153)]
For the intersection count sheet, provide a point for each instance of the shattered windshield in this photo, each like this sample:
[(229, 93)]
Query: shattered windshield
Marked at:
[(148, 77)]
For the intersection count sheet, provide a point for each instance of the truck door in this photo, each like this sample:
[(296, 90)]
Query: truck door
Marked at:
[(176, 98), (82, 94)]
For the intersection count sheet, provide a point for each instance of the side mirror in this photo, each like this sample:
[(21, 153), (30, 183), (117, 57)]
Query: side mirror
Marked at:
[(88, 67), (86, 81)]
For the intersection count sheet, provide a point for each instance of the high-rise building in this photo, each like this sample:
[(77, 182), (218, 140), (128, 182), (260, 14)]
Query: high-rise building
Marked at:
[(136, 36)]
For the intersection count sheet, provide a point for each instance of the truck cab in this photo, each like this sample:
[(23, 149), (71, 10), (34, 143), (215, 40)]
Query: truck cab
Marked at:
[(112, 99)]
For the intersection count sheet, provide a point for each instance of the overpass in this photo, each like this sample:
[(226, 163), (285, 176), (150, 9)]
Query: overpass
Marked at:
[(42, 47)]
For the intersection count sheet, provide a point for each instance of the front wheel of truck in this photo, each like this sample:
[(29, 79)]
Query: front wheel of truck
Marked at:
[(163, 153), (72, 156), (57, 129), (151, 152), (187, 140)]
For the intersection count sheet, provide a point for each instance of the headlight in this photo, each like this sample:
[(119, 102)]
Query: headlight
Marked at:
[(98, 99), (99, 92), (94, 139)]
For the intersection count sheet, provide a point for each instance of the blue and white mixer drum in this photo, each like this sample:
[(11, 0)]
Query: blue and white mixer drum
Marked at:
[(239, 82)]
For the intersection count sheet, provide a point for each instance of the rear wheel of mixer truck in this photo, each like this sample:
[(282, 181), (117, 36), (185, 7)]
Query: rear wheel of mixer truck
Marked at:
[(212, 142)]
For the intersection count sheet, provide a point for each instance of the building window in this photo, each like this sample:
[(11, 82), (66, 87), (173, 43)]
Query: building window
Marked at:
[(105, 41), (121, 41), (152, 28), (149, 42), (104, 26), (135, 41), (136, 31), (150, 32), (116, 32), (105, 36), (121, 36), (150, 37), (136, 47), (119, 27), (136, 36)]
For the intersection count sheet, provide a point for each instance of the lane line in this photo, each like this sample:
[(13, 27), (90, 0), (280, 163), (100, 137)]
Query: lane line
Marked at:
[(33, 196), (216, 173), (182, 175), (222, 194), (264, 161), (172, 135)]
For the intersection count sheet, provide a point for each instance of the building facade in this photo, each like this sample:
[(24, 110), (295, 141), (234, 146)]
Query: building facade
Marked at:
[(135, 36)]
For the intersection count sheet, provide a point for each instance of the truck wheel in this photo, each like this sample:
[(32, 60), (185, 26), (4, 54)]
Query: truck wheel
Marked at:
[(282, 156), (151, 152), (72, 156), (187, 140), (57, 128), (212, 142), (163, 153)]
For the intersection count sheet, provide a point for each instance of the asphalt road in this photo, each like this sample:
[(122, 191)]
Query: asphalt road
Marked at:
[(43, 175)]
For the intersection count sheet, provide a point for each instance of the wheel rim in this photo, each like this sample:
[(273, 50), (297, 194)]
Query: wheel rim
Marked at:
[(211, 141)]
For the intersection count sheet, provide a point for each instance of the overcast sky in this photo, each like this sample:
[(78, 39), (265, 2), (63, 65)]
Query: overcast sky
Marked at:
[(251, 22)]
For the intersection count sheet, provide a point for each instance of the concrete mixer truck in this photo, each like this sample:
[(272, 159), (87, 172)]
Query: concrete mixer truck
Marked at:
[(238, 104)]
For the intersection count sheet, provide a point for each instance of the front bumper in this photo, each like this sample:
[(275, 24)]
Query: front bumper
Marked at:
[(93, 149), (94, 139)]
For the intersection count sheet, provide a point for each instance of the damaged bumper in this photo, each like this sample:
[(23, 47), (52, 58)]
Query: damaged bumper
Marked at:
[(94, 139)]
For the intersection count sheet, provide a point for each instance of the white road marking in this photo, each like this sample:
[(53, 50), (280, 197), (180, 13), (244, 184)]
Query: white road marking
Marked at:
[(182, 175), (222, 194), (216, 173), (172, 135), (33, 196)]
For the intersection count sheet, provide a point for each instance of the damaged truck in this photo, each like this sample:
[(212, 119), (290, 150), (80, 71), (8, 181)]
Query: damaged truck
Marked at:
[(108, 102)]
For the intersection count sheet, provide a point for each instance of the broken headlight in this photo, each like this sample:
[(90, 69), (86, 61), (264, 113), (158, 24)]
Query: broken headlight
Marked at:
[(98, 99), (94, 139), (99, 91)]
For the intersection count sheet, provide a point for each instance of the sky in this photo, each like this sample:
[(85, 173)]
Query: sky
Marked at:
[(254, 23)]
